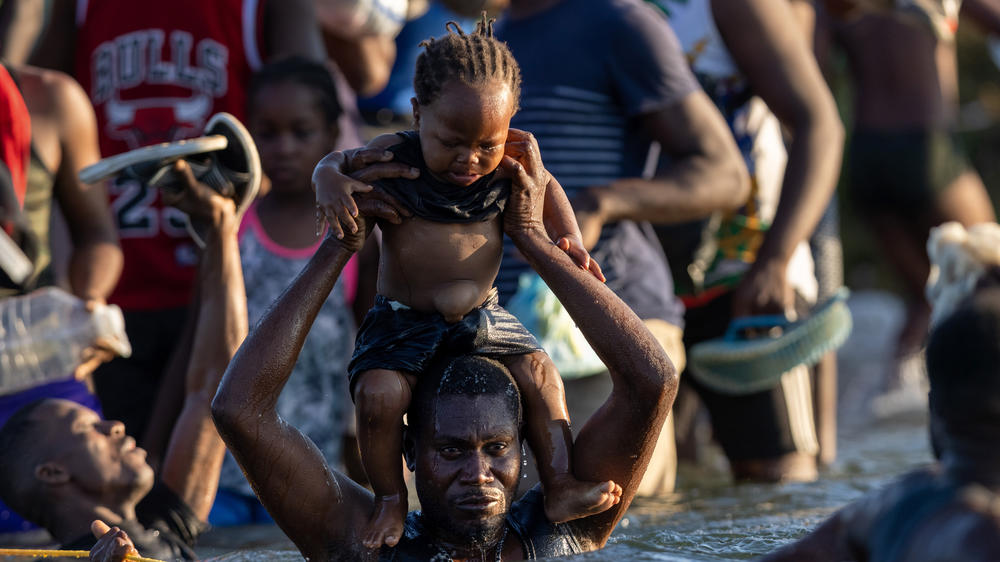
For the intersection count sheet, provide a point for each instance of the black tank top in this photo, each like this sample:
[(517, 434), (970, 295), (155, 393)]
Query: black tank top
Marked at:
[(432, 199)]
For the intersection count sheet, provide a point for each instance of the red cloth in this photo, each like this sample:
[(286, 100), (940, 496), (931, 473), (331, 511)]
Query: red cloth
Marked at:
[(155, 72), (15, 133)]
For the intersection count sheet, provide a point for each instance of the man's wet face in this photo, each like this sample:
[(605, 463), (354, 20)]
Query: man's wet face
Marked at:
[(96, 453), (468, 462)]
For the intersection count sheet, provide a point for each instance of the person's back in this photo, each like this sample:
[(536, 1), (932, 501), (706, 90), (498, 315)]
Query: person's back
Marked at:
[(925, 516), (904, 77)]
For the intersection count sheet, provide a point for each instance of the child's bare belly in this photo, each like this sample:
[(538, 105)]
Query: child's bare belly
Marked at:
[(440, 267)]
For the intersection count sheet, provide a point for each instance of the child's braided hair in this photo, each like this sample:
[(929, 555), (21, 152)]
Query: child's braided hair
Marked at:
[(476, 58)]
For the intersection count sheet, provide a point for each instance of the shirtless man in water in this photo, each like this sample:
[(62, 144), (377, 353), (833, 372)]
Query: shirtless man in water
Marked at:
[(464, 438), (950, 511)]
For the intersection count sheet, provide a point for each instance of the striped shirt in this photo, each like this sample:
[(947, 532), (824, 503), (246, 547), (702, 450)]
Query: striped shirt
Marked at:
[(590, 69)]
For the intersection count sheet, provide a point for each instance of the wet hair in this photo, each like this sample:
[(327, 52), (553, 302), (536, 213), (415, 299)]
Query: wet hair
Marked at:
[(475, 58), (466, 375), (302, 71), (963, 355), (20, 453)]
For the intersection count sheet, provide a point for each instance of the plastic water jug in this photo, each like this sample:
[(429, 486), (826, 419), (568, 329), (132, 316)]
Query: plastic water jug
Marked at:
[(43, 335)]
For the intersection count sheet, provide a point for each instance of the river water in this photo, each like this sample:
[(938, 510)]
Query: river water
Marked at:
[(881, 435)]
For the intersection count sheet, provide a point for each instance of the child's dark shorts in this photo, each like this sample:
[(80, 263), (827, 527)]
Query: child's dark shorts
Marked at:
[(395, 337)]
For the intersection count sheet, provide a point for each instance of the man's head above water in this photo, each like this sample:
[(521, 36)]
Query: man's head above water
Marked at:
[(58, 454), (464, 446), (963, 355)]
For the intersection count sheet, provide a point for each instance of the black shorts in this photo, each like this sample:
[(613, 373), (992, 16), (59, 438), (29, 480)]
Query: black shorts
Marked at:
[(762, 425), (902, 172), (398, 338)]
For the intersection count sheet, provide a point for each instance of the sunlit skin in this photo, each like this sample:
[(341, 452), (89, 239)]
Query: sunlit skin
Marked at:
[(462, 136), (98, 453), (450, 268), (89, 466)]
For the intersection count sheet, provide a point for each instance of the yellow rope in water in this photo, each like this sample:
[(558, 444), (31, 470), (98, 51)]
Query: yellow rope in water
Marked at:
[(35, 553)]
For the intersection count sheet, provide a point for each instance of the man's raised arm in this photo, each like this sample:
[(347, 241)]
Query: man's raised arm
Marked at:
[(318, 508), (194, 453), (307, 499), (617, 441)]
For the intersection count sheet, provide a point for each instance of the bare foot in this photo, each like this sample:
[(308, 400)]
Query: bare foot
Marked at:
[(571, 499), (386, 523)]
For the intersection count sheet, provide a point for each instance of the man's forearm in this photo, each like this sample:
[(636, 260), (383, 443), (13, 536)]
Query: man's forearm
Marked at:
[(617, 441), (365, 61), (21, 23), (692, 189), (809, 181), (195, 451), (222, 310), (311, 503), (94, 270), (264, 362)]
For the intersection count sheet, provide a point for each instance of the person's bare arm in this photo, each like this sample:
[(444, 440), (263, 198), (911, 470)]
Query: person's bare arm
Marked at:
[(195, 451), (778, 62), (560, 223), (706, 174), (985, 13), (361, 44), (21, 23), (366, 61), (318, 508), (290, 29), (314, 505), (57, 45), (96, 260), (617, 442), (335, 189), (804, 12)]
